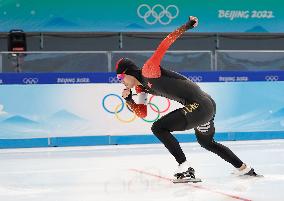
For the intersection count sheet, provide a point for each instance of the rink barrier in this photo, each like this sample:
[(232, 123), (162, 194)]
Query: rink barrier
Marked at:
[(24, 143), (130, 139), (87, 78)]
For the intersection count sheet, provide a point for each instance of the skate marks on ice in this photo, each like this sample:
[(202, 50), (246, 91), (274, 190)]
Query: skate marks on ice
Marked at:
[(191, 185), (14, 190)]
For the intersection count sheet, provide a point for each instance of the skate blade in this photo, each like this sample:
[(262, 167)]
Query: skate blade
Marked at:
[(186, 180), (251, 176)]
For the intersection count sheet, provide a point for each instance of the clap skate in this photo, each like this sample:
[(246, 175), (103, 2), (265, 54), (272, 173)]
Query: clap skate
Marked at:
[(247, 172), (185, 174)]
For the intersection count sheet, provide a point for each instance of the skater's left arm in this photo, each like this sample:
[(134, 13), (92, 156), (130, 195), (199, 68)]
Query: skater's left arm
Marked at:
[(151, 68)]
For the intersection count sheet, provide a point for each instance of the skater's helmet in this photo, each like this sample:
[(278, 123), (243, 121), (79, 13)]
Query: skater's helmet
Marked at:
[(128, 67)]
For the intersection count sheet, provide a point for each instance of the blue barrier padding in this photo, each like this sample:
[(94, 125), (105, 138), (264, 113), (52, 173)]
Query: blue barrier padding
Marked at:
[(151, 139), (131, 139), (79, 141), (85, 78), (23, 143), (134, 139), (259, 135)]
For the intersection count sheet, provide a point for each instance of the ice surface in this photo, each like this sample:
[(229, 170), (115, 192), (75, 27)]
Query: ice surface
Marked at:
[(138, 172)]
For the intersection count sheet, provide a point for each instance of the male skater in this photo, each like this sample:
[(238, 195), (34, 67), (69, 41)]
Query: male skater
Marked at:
[(198, 111)]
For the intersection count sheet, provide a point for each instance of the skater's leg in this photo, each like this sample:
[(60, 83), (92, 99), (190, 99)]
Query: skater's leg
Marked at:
[(174, 121), (205, 134)]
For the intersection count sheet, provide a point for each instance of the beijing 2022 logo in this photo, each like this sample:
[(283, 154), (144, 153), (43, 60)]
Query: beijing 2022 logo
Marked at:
[(119, 105), (157, 13)]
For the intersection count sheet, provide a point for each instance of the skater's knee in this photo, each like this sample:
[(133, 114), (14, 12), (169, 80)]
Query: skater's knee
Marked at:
[(205, 139), (206, 143), (156, 127)]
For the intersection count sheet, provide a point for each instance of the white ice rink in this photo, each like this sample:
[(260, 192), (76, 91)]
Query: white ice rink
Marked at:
[(138, 172)]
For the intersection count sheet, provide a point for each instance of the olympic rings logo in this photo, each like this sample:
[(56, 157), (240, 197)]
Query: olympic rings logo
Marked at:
[(195, 78), (114, 80), (157, 13), (271, 78), (120, 106), (30, 80)]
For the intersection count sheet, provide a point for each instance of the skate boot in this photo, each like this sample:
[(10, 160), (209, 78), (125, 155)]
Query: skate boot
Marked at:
[(248, 171), (185, 174)]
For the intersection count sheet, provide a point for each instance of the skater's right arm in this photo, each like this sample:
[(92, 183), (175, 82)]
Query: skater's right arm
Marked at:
[(151, 69), (139, 108)]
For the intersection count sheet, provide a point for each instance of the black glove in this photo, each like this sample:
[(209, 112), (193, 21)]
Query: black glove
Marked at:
[(129, 97), (191, 23)]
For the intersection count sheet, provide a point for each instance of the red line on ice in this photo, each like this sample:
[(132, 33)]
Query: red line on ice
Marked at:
[(192, 185)]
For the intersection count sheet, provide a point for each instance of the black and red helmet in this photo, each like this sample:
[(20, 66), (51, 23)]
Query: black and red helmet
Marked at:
[(128, 67)]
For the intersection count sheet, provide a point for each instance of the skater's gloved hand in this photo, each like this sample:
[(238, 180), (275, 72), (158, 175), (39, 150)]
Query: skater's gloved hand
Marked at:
[(191, 23), (127, 94)]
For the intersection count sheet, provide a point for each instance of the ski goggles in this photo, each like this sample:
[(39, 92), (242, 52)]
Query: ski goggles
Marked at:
[(120, 76)]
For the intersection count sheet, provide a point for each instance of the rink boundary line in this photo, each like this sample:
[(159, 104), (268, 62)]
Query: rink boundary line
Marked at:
[(190, 184)]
